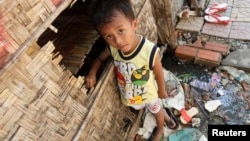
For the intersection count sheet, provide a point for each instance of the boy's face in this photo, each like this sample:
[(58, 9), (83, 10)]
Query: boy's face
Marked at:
[(120, 33)]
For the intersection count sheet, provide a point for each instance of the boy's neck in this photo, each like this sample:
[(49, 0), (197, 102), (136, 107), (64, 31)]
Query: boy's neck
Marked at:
[(138, 39)]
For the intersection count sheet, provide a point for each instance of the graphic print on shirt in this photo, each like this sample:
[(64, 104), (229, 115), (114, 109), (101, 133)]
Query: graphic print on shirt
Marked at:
[(131, 81)]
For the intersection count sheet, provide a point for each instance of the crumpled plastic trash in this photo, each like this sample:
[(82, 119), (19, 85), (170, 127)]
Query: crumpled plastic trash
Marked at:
[(187, 134), (238, 75), (212, 105), (172, 87), (207, 86), (178, 101), (148, 125)]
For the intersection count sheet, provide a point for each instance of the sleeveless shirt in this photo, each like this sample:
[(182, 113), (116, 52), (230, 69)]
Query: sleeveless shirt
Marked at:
[(134, 73)]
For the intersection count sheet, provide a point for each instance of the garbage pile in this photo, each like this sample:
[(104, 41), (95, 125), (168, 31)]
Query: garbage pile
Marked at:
[(218, 97)]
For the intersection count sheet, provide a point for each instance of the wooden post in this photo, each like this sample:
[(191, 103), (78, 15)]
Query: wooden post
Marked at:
[(169, 21), (197, 7)]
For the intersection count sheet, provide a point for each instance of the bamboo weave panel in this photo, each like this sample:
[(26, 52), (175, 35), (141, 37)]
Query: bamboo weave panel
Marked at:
[(109, 119), (22, 17), (39, 100)]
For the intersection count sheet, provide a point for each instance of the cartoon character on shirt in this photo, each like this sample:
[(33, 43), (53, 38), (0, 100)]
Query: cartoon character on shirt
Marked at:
[(120, 78), (140, 76), (131, 81)]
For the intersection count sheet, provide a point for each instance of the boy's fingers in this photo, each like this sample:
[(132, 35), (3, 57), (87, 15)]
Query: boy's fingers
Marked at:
[(88, 83), (90, 86)]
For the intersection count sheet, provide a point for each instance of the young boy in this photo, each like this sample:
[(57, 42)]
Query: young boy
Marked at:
[(137, 62)]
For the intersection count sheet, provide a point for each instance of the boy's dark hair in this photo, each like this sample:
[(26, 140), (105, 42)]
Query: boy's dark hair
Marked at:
[(103, 11)]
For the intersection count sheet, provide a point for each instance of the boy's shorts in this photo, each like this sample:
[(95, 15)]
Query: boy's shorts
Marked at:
[(153, 107)]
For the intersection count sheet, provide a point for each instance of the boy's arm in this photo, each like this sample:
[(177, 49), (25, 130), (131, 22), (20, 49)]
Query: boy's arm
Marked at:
[(159, 76), (91, 77)]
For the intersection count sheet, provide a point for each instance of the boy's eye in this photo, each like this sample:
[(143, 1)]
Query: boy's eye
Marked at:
[(108, 37), (120, 31)]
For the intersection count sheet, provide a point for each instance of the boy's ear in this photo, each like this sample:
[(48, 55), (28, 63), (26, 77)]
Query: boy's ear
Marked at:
[(135, 23)]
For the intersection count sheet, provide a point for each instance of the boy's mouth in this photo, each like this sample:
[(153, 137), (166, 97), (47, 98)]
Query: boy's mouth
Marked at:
[(121, 46)]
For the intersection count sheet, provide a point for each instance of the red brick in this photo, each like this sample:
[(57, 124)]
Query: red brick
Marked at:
[(213, 46), (199, 55), (206, 62), (185, 52), (208, 58), (209, 55)]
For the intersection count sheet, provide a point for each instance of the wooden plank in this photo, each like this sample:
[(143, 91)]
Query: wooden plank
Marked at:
[(197, 7), (49, 5)]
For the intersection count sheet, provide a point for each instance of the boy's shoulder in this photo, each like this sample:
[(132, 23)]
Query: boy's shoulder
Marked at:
[(149, 43), (146, 40)]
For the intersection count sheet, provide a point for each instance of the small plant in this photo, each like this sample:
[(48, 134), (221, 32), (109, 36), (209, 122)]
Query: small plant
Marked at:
[(185, 78)]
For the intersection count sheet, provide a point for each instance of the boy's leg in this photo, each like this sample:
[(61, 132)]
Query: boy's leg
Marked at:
[(158, 112), (159, 116)]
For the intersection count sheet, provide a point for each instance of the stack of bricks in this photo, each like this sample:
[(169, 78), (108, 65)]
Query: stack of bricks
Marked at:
[(208, 53)]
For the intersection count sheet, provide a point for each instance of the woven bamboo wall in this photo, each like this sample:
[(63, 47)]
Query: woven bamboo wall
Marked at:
[(109, 119), (22, 17), (147, 26), (39, 99), (42, 100), (22, 21)]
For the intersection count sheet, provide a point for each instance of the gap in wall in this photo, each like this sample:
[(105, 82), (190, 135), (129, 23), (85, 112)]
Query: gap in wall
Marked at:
[(75, 39)]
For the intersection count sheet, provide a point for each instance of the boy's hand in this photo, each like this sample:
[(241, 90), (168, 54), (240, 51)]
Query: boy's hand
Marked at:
[(162, 94), (90, 81)]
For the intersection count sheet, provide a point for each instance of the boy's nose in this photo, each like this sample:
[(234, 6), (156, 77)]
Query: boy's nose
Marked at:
[(118, 41)]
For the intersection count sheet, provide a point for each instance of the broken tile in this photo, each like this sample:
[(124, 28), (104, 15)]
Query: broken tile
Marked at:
[(240, 14), (216, 29), (240, 30), (192, 24)]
